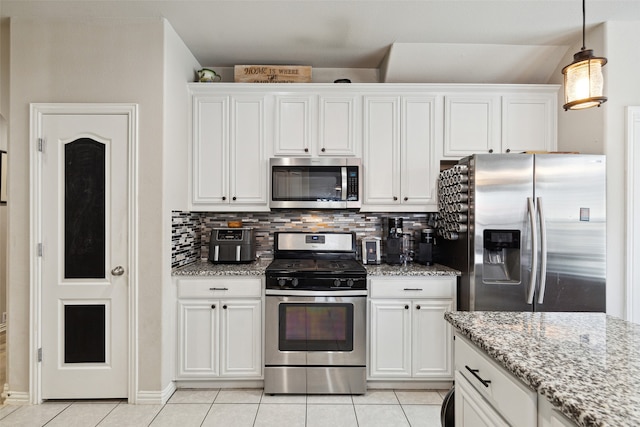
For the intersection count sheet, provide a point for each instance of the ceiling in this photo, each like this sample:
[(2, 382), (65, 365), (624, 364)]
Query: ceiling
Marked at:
[(360, 33)]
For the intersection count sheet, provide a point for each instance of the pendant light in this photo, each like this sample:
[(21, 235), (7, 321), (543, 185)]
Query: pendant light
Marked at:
[(583, 81)]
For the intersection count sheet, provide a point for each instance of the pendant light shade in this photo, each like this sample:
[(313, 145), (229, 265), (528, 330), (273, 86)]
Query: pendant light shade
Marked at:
[(583, 81)]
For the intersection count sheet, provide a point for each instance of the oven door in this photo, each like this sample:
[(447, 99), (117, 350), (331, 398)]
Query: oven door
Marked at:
[(316, 328)]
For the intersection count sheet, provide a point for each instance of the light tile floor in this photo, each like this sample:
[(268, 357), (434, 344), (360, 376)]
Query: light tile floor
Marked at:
[(236, 408)]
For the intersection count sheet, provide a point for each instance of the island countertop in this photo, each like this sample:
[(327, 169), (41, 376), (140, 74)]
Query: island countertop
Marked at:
[(587, 365)]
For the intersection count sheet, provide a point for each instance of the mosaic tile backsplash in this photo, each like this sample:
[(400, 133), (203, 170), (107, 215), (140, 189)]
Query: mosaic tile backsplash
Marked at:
[(191, 230)]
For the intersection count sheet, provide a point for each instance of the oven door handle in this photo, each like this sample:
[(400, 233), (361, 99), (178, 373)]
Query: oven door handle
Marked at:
[(291, 293)]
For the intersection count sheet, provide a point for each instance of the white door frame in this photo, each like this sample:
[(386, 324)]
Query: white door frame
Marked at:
[(632, 308), (35, 232)]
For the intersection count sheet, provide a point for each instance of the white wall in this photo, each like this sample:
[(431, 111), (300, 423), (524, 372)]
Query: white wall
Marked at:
[(623, 90), (90, 60), (179, 67), (602, 131)]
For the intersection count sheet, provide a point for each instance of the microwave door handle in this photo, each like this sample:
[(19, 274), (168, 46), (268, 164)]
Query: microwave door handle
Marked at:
[(543, 251), (238, 253), (344, 183), (216, 253), (534, 250)]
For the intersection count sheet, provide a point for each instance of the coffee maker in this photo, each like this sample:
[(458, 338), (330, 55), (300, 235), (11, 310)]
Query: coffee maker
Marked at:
[(393, 241), (427, 246)]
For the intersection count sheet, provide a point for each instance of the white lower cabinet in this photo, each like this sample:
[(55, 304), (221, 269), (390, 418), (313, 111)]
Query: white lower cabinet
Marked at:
[(548, 416), (486, 394), (473, 410), (219, 328), (409, 338)]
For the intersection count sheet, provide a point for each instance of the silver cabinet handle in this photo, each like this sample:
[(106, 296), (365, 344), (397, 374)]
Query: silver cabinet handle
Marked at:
[(412, 289), (218, 289), (117, 271)]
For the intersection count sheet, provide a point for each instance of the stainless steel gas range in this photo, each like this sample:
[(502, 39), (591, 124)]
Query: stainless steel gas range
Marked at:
[(315, 316)]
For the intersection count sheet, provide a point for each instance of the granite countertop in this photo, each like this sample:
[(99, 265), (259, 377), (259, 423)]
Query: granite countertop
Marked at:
[(206, 268), (586, 364), (256, 268), (412, 269)]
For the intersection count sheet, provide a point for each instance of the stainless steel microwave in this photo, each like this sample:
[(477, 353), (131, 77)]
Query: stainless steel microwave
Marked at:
[(318, 183)]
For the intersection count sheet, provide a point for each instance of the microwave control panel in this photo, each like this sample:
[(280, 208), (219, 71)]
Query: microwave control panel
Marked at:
[(352, 183)]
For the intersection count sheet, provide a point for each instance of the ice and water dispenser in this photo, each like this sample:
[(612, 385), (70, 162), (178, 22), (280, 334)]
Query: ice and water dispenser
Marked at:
[(501, 257)]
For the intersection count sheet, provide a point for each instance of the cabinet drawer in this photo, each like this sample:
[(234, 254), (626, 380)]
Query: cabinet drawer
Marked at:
[(412, 287), (219, 288), (511, 398)]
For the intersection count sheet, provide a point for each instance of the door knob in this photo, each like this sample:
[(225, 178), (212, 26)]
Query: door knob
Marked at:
[(117, 271)]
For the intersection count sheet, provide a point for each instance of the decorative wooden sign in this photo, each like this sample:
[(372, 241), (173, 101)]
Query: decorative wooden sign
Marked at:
[(272, 74)]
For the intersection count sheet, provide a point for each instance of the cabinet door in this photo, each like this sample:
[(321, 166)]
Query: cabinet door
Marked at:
[(337, 126), (210, 156), (417, 151), (241, 338), (529, 122), (381, 150), (293, 125), (248, 161), (432, 346), (471, 410), (471, 125), (390, 339), (198, 339)]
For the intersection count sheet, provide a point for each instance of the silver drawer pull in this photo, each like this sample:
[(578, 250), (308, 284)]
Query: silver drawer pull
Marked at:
[(412, 289), (474, 372), (218, 289)]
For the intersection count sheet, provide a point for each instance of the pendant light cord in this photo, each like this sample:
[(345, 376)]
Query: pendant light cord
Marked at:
[(583, 24)]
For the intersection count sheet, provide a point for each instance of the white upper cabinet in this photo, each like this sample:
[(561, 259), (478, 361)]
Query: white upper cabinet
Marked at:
[(248, 160), (500, 119), (529, 122), (381, 150), (471, 124), (399, 152), (316, 124), (228, 151), (338, 125), (401, 131), (293, 125)]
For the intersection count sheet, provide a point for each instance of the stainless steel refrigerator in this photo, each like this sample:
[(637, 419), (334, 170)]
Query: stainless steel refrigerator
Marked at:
[(527, 231)]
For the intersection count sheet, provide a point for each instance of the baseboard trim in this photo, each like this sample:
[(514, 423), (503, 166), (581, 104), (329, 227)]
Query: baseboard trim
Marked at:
[(227, 384), (156, 397), (17, 398), (409, 385)]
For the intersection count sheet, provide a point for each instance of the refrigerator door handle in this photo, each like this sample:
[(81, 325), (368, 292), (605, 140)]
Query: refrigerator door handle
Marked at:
[(543, 251), (534, 250)]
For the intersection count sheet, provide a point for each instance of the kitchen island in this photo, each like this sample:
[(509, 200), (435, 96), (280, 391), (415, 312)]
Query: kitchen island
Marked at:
[(586, 365)]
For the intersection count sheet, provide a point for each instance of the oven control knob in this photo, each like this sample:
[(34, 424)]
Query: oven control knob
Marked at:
[(350, 283), (336, 283), (294, 282), (281, 282)]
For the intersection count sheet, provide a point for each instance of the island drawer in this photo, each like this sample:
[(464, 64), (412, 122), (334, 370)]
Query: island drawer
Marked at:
[(220, 288), (412, 287), (508, 395)]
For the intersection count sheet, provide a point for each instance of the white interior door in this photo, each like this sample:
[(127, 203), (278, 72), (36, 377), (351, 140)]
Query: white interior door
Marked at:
[(84, 257)]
